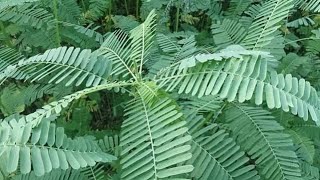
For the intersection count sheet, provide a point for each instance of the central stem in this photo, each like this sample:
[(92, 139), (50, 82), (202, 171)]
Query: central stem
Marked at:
[(177, 18), (137, 9), (55, 12)]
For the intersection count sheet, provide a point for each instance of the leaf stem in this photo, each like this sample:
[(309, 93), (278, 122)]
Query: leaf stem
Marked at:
[(137, 9), (84, 6), (55, 12), (177, 19), (108, 24), (126, 6)]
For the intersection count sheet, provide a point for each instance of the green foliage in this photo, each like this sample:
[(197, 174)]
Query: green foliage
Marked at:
[(243, 80), (216, 155), (159, 132), (261, 136), (98, 8), (103, 89), (23, 15), (9, 3), (64, 64), (312, 6), (125, 23), (261, 31), (227, 32), (9, 57), (20, 144), (12, 101)]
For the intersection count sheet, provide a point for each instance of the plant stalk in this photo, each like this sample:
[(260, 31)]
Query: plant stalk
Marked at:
[(84, 6), (55, 12), (137, 9), (126, 6), (177, 19)]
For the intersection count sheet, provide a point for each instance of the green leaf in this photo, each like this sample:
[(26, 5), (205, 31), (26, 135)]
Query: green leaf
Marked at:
[(264, 141), (153, 152), (254, 81)]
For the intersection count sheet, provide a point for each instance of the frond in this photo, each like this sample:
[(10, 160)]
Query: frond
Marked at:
[(304, 146), (168, 44), (309, 129), (187, 49), (110, 144), (242, 80), (227, 32), (158, 62), (237, 7), (305, 135), (56, 107), (276, 48), (309, 172), (128, 54), (11, 101), (46, 147), (94, 173), (194, 6), (125, 23), (87, 31), (14, 98), (254, 10), (291, 62), (148, 91), (68, 10), (35, 91), (263, 139), (312, 5), (10, 3), (154, 141), (97, 8), (72, 65), (142, 40), (148, 6), (261, 32), (250, 15), (312, 47), (116, 48), (26, 15), (201, 105), (303, 21), (316, 32), (172, 52), (8, 57), (80, 36), (216, 155), (45, 38)]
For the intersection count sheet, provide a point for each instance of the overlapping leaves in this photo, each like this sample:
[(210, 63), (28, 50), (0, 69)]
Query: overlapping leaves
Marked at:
[(243, 80), (263, 139), (215, 154), (45, 148), (154, 141), (72, 65)]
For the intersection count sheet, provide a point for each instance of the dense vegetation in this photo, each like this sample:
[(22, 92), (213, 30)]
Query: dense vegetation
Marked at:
[(160, 89)]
